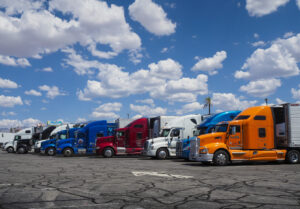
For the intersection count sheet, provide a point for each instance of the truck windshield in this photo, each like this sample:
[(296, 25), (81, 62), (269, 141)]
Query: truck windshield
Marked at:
[(164, 132), (200, 131), (221, 128)]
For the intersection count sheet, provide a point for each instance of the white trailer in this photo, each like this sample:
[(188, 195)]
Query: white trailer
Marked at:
[(6, 137), (123, 122), (165, 145)]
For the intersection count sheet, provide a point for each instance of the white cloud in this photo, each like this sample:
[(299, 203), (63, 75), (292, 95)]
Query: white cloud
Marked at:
[(228, 101), (256, 35), (187, 108), (52, 92), (80, 120), (211, 64), (260, 8), (261, 88), (168, 69), (258, 43), (279, 60), (8, 84), (33, 92), (107, 111), (298, 3), (279, 101), (10, 101), (137, 116), (296, 93), (43, 108), (7, 60), (8, 113), (47, 69), (27, 102), (152, 17), (29, 122), (288, 34), (28, 29), (146, 101), (164, 50), (146, 110)]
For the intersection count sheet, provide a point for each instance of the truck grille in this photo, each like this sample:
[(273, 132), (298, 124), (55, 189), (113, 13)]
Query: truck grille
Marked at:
[(194, 147), (179, 149)]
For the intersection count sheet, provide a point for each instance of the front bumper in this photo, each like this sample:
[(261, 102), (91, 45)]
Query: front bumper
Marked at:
[(149, 153), (201, 157)]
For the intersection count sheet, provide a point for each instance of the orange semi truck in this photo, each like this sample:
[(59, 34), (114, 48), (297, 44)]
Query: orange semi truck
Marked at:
[(262, 133)]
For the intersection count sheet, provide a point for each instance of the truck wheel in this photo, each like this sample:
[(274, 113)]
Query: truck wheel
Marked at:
[(68, 152), (293, 156), (220, 158), (162, 153), (21, 150), (10, 149), (108, 152), (50, 151)]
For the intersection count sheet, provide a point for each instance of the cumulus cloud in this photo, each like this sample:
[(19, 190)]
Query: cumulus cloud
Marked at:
[(187, 108), (211, 64), (10, 101), (298, 3), (30, 29), (148, 111), (33, 92), (296, 93), (107, 111), (7, 60), (261, 88), (8, 84), (152, 17), (47, 69), (228, 101), (29, 122), (52, 92), (258, 43), (168, 69), (280, 101), (8, 113), (260, 8), (279, 60), (80, 120), (146, 101)]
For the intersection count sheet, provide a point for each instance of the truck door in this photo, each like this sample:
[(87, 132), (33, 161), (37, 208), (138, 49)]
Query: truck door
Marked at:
[(120, 139), (81, 142), (174, 138), (235, 137)]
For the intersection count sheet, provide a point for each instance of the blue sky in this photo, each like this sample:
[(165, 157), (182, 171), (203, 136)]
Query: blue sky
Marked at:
[(75, 60)]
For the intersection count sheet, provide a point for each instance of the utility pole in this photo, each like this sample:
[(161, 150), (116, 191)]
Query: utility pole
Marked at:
[(266, 100)]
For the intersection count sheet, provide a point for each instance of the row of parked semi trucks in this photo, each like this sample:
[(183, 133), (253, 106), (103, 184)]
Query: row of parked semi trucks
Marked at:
[(261, 133)]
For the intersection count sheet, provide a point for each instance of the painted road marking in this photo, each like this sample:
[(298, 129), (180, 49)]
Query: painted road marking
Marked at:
[(144, 173)]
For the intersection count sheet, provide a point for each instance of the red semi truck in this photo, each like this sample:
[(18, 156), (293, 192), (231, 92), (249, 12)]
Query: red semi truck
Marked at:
[(128, 140)]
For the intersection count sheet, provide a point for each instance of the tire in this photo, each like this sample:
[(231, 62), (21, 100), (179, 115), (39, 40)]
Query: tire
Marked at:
[(293, 157), (162, 153), (68, 152), (21, 150), (108, 152), (221, 158), (50, 151), (10, 149)]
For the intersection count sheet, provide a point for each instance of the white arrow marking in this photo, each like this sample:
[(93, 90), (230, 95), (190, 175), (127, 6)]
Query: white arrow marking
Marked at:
[(144, 173)]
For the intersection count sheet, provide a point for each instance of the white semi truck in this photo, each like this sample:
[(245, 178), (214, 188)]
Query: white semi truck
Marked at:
[(165, 145), (6, 137)]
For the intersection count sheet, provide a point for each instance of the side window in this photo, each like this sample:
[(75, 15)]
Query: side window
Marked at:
[(139, 136), (262, 132), (138, 126), (99, 134), (260, 117), (27, 132)]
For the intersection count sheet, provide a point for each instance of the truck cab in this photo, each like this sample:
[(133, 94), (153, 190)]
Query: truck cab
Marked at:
[(84, 141), (128, 140), (165, 145), (207, 126), (48, 147), (261, 133)]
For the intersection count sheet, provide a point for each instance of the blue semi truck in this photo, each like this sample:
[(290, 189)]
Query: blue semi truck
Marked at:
[(84, 141), (208, 126), (48, 147)]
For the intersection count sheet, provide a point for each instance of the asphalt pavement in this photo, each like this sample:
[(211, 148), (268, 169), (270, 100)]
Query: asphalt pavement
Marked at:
[(35, 181)]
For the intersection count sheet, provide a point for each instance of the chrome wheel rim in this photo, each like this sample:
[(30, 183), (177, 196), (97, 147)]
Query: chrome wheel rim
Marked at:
[(162, 154), (108, 153), (221, 159), (294, 157), (50, 152), (68, 152)]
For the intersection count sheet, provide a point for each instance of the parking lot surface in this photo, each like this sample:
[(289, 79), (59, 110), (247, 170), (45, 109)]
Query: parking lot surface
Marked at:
[(35, 181)]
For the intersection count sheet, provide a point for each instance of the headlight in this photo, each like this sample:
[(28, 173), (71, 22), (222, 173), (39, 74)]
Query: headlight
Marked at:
[(203, 150)]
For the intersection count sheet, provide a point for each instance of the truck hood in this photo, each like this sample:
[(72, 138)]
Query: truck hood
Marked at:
[(158, 139), (212, 137)]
